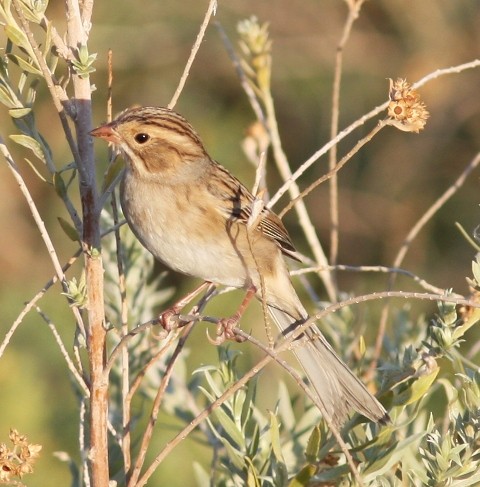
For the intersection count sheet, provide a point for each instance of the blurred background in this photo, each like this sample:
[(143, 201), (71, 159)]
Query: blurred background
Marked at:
[(384, 190)]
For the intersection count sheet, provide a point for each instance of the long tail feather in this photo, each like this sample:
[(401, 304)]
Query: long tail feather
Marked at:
[(336, 386)]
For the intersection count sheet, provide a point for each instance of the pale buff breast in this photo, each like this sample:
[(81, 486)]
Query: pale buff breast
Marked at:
[(181, 233)]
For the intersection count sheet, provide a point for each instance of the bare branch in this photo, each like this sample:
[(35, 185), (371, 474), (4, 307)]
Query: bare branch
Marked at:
[(211, 10)]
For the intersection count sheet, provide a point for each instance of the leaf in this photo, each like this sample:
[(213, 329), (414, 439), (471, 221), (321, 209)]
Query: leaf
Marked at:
[(6, 98), (252, 474), (17, 37), (249, 399), (24, 65), (313, 445), (285, 409), (417, 390), (230, 427), (275, 436), (361, 346), (201, 476), (304, 476), (252, 448), (235, 456), (69, 229), (472, 481), (19, 112), (35, 170), (392, 456), (59, 185), (30, 143)]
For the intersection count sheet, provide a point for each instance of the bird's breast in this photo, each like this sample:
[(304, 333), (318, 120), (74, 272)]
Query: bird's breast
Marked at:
[(182, 231)]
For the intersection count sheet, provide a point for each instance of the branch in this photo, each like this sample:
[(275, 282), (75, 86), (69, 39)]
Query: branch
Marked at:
[(39, 222), (424, 219), (284, 345), (374, 112), (211, 10), (353, 12)]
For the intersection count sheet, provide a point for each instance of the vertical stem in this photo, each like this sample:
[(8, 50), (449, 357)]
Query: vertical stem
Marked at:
[(77, 35), (354, 8), (305, 221)]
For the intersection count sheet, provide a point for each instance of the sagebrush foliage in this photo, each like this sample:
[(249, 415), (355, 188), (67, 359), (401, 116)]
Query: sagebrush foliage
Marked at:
[(426, 377)]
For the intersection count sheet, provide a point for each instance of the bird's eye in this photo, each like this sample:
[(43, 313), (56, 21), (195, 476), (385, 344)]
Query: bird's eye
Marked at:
[(141, 138)]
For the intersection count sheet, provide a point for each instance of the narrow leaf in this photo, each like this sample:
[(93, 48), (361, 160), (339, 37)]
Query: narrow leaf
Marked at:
[(17, 36), (69, 229), (19, 112), (30, 143), (275, 436), (304, 476), (313, 445), (24, 65), (230, 427), (417, 390)]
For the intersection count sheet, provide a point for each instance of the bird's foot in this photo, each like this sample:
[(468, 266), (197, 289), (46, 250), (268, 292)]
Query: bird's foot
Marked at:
[(226, 330)]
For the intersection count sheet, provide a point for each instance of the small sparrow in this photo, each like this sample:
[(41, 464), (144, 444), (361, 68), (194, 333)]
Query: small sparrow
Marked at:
[(193, 215)]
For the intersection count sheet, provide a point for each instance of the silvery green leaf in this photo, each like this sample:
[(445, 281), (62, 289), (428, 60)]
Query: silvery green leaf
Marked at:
[(6, 97), (30, 143), (19, 112), (313, 445), (230, 427), (17, 36), (24, 65)]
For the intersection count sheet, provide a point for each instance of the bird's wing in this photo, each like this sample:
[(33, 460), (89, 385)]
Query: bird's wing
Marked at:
[(237, 204)]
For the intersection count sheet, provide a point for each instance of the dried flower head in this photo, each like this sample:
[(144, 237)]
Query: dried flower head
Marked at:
[(405, 109), (18, 460)]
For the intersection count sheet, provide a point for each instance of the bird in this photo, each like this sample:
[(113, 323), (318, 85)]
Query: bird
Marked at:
[(193, 215)]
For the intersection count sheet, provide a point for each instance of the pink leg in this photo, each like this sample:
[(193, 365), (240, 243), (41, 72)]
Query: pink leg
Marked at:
[(168, 319), (226, 326)]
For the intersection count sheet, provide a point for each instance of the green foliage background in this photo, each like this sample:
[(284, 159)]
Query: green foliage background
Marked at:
[(384, 190)]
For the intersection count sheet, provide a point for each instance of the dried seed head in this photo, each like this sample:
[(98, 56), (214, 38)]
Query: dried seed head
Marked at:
[(256, 47), (405, 109), (17, 460)]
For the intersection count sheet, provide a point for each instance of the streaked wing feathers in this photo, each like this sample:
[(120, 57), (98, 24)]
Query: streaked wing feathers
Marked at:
[(238, 206)]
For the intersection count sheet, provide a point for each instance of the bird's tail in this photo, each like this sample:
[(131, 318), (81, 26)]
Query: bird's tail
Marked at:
[(334, 384)]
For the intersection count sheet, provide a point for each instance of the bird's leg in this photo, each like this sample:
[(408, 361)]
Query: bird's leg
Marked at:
[(226, 326), (169, 318)]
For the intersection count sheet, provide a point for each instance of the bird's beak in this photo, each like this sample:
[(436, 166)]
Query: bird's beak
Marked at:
[(106, 132)]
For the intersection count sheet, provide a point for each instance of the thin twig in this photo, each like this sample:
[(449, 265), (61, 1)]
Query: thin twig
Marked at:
[(444, 71), (377, 268), (427, 216), (40, 225), (298, 379), (359, 122), (303, 216), (125, 388), (31, 304), (82, 435), (58, 42), (145, 368), (353, 12), (424, 219), (63, 351), (211, 10), (58, 94), (335, 169), (286, 343), (147, 435)]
